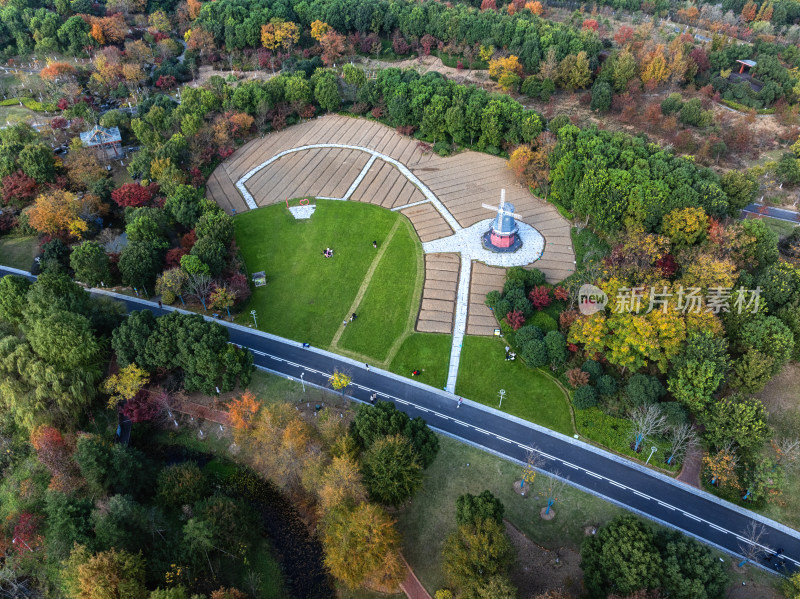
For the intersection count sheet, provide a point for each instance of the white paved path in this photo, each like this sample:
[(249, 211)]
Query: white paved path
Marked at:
[(465, 242)]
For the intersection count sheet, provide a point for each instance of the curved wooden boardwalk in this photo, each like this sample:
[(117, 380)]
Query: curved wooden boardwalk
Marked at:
[(462, 183)]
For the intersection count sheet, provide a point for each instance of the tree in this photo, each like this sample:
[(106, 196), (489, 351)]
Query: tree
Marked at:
[(690, 570), (139, 264), (171, 284), (18, 189), (108, 467), (334, 46), (222, 298), (13, 298), (697, 373), (392, 472), (752, 371), (90, 263), (57, 211), (326, 93), (556, 348), (621, 558), (471, 508), (83, 168), (752, 544), (242, 410), (373, 423), (107, 575), (52, 451), (475, 553), (601, 96), (361, 545), (686, 226), (743, 421), (126, 384), (134, 194), (36, 161), (64, 340), (647, 422), (181, 484), (573, 71), (721, 468), (681, 438), (319, 29)]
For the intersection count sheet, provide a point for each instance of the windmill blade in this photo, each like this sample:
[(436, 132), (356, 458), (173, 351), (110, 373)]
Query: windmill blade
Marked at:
[(488, 207)]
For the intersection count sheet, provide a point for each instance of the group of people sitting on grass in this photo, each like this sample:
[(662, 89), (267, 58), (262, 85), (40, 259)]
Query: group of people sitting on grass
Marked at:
[(328, 253)]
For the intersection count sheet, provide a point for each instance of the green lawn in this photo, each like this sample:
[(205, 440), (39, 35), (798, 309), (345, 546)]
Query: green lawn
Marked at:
[(385, 311), (530, 394), (427, 520), (17, 251), (427, 352), (307, 296), (17, 114)]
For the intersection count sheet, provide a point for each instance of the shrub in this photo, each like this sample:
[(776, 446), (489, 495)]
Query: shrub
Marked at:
[(534, 353), (643, 389), (528, 333), (540, 297), (492, 298), (675, 413), (471, 508), (606, 385), (168, 297), (556, 347), (544, 321), (584, 397), (671, 104), (557, 122), (593, 369), (515, 319), (577, 378)]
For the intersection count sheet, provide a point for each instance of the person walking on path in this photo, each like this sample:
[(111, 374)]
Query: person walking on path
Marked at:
[(460, 401), (372, 398), (159, 304), (367, 366), (344, 323)]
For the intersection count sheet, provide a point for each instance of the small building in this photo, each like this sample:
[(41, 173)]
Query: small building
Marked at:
[(746, 64), (106, 141)]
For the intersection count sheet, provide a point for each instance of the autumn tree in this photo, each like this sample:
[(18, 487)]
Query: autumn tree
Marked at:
[(222, 298), (107, 575), (126, 384), (242, 410), (319, 29), (55, 211), (506, 71), (362, 546), (685, 226), (18, 189), (573, 71), (475, 555), (654, 66), (54, 453), (83, 168), (720, 468), (201, 41), (334, 46), (56, 70), (748, 13), (341, 483)]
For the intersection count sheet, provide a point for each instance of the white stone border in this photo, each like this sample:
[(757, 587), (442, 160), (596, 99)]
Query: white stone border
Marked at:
[(429, 195)]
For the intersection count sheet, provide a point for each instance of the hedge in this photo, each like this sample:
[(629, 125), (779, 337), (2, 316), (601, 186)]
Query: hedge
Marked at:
[(743, 108), (31, 104)]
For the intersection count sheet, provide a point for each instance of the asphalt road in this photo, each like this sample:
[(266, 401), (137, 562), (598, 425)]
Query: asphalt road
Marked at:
[(627, 484), (789, 216)]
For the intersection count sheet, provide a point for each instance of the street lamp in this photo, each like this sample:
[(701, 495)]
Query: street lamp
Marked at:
[(502, 394), (253, 314), (302, 381), (653, 449)]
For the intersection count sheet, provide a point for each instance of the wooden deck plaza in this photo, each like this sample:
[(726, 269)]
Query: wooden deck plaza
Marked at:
[(462, 183)]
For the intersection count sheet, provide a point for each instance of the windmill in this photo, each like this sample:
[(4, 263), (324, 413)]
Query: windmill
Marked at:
[(503, 235)]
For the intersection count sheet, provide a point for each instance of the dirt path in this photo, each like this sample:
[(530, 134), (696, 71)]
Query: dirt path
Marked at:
[(367, 278), (692, 465), (411, 586)]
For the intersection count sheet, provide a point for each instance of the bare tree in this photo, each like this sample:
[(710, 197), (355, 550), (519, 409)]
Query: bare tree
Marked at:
[(200, 286), (750, 545), (682, 438), (533, 462), (787, 452), (553, 489), (647, 422)]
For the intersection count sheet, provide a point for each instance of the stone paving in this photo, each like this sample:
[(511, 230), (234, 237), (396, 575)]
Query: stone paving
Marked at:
[(341, 158)]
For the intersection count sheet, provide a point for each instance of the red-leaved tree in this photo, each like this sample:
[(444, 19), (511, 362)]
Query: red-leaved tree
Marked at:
[(624, 35), (590, 25), (540, 297), (488, 5), (134, 195), (19, 188), (141, 408), (26, 533), (240, 286), (55, 454), (515, 319)]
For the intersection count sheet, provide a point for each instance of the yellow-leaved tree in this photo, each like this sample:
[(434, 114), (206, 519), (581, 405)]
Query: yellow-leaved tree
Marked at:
[(125, 384)]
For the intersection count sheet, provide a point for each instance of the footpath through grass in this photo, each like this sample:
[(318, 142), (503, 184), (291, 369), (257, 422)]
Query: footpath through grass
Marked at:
[(384, 313), (530, 394), (17, 251), (307, 296)]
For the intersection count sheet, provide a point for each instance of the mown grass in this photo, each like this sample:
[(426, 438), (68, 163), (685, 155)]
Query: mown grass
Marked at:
[(395, 288), (530, 393), (307, 295), (427, 352), (431, 515), (17, 251)]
